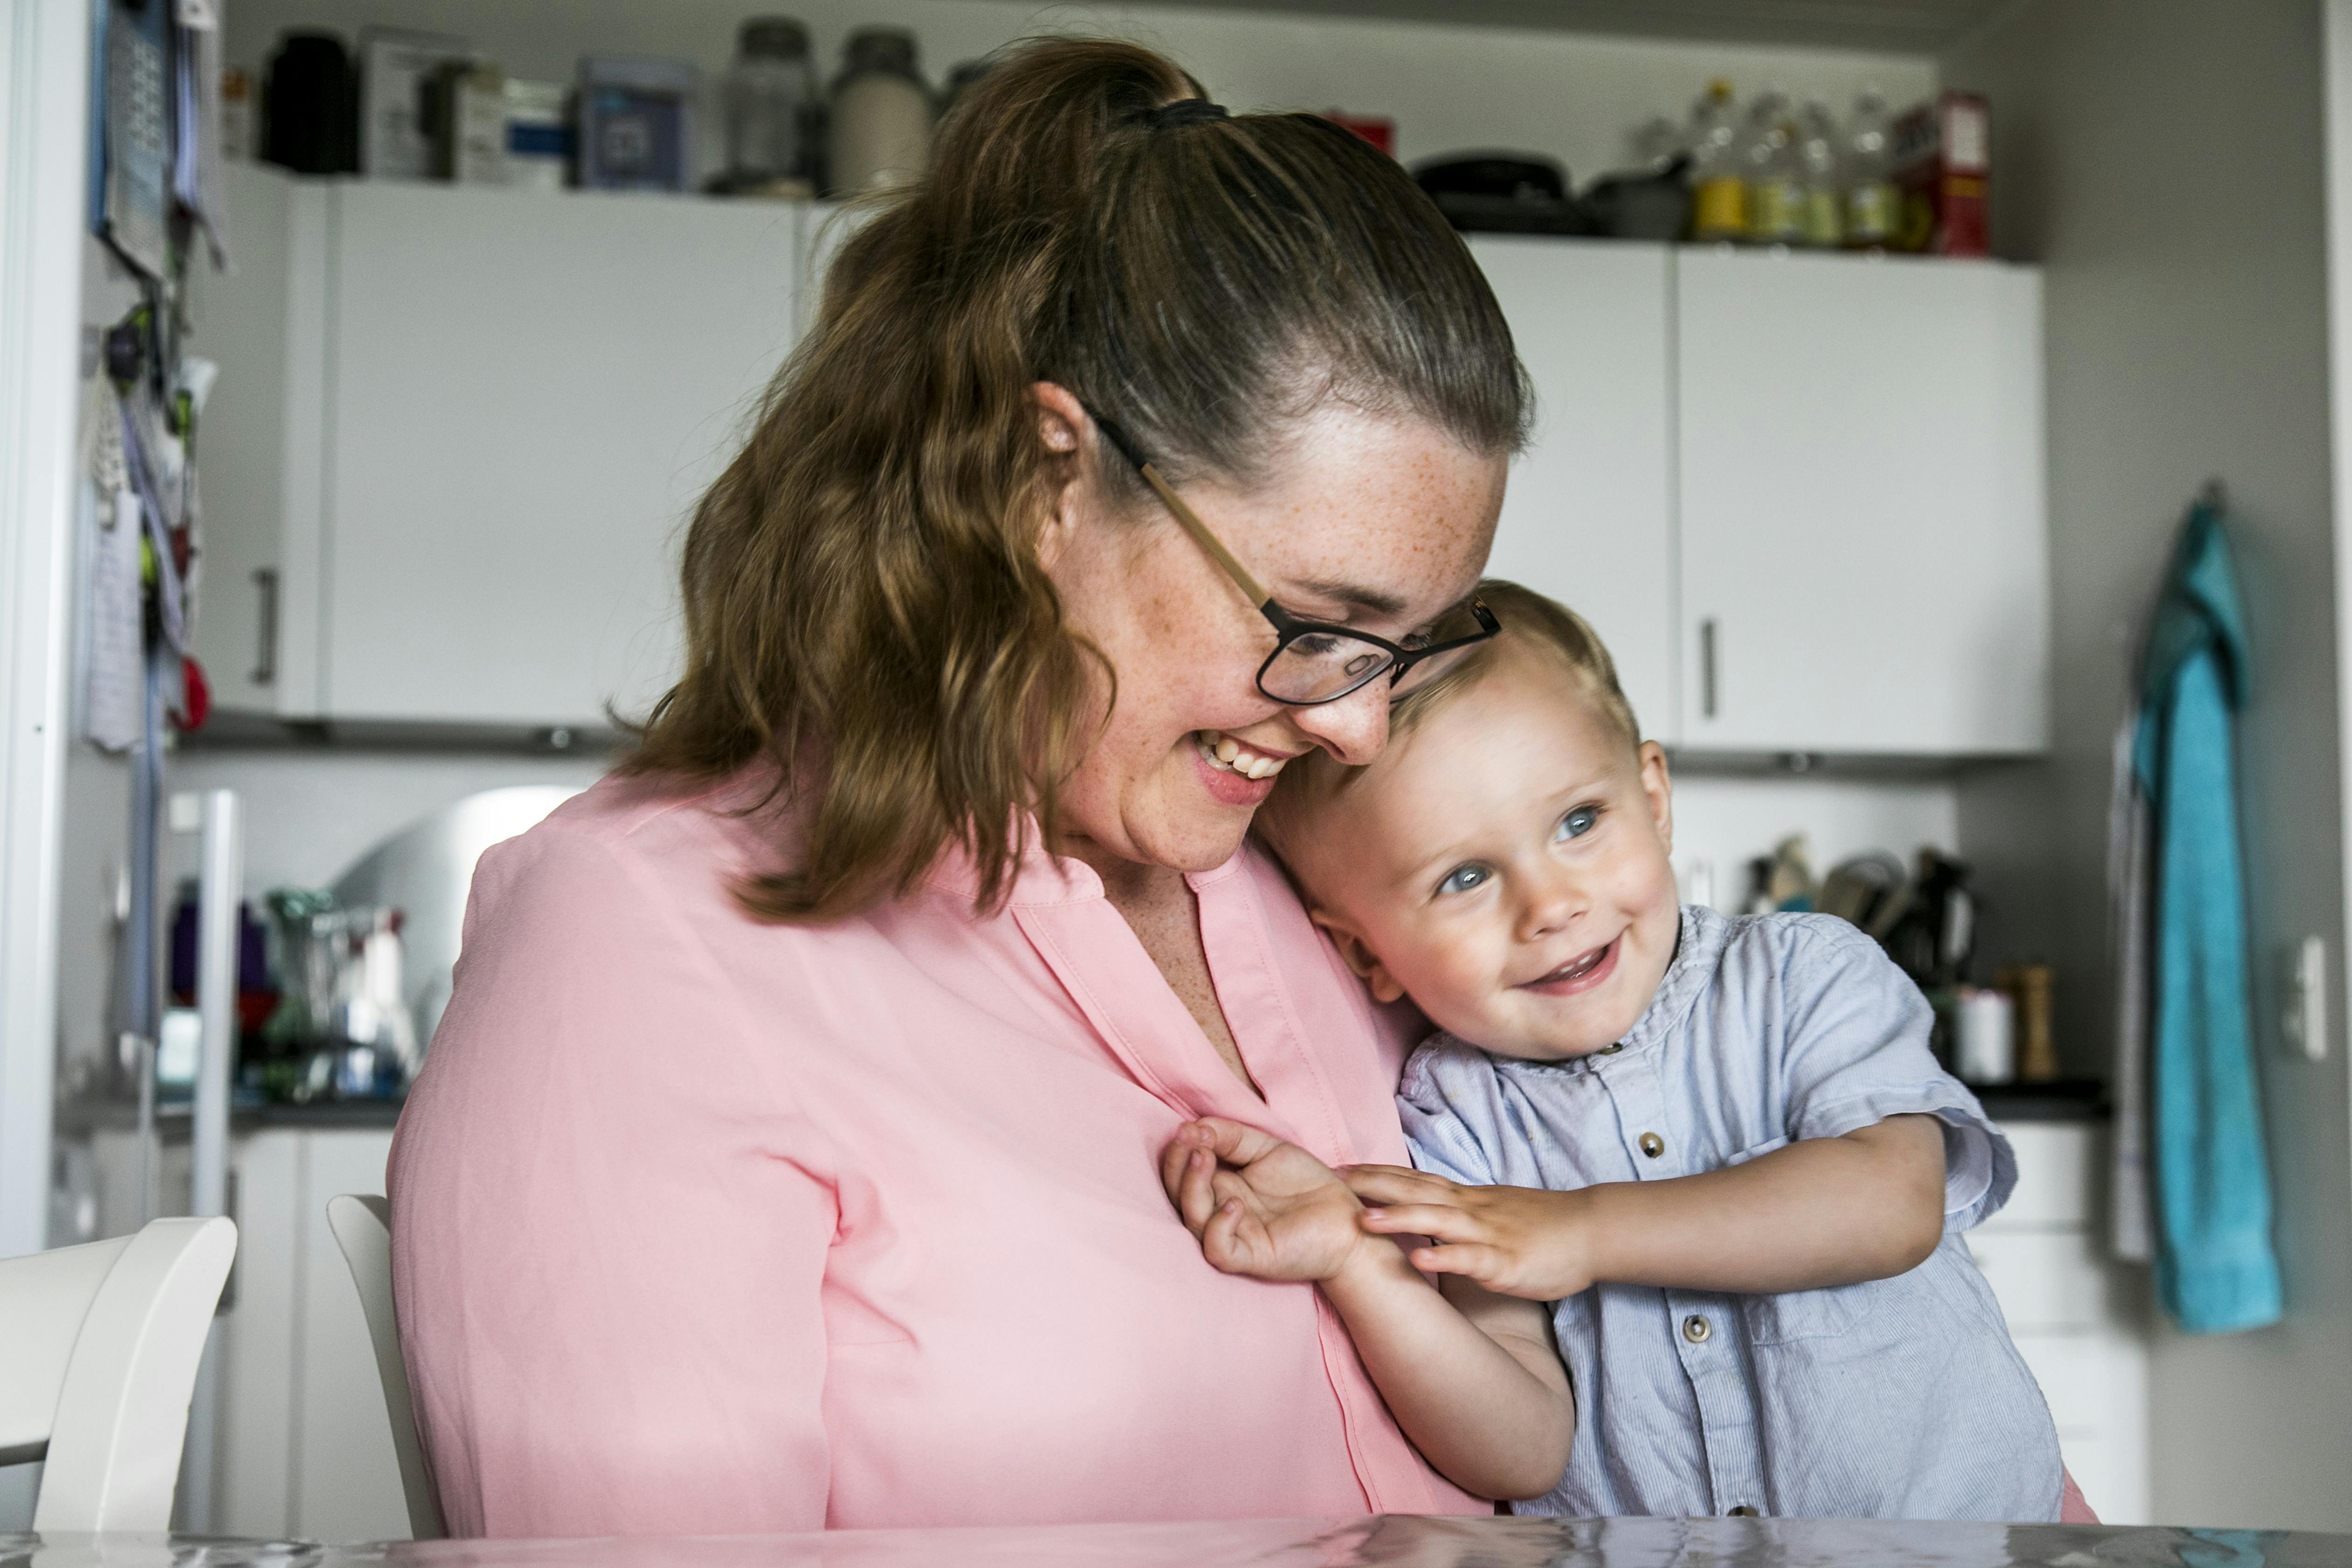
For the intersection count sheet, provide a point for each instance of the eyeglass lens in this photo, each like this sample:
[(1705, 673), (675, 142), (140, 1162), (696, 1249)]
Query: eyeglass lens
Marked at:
[(1320, 665)]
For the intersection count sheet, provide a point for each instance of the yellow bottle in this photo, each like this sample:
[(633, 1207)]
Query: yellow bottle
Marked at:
[(1718, 190)]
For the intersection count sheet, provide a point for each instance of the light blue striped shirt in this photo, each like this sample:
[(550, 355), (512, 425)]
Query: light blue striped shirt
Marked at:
[(1899, 1398)]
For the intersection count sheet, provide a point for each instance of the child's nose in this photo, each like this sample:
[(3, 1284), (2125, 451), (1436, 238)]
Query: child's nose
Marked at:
[(1553, 899)]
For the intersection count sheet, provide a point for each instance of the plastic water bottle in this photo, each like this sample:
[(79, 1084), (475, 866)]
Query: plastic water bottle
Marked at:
[(1656, 145), (1817, 151), (1776, 191), (1718, 189), (1871, 208)]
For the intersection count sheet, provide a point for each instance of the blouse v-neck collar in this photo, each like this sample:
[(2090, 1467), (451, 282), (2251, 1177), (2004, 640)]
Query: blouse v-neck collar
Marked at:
[(1059, 905)]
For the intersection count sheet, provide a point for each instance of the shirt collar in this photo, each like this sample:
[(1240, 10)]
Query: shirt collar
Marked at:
[(1698, 946)]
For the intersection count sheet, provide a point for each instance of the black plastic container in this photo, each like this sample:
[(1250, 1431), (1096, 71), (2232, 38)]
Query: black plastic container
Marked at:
[(311, 105), (1503, 193)]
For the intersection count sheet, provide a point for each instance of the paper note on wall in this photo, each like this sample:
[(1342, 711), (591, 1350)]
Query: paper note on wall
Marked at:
[(115, 700)]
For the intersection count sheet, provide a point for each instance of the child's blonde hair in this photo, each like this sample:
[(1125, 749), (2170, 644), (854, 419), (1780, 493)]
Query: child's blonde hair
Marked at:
[(1529, 620)]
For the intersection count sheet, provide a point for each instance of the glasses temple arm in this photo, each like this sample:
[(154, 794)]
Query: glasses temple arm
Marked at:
[(1201, 534)]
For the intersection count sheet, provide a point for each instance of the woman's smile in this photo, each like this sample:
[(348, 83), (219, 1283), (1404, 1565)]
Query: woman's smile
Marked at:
[(1227, 785), (1234, 756)]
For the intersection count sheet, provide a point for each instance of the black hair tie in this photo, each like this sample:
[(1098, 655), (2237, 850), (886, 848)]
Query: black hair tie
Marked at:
[(1184, 111)]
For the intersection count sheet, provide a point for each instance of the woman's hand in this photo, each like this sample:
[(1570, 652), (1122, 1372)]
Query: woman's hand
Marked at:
[(1261, 1206), (1515, 1241)]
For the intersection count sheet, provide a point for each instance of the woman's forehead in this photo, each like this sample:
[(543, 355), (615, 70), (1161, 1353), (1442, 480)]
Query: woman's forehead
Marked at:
[(1386, 516)]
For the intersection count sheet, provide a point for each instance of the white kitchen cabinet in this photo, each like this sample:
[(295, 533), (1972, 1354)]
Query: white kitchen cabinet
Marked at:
[(305, 1444), (1862, 549), (2074, 1313), (459, 431), (1589, 516), (302, 1445)]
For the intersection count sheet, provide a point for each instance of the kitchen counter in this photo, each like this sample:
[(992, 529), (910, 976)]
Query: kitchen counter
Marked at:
[(1270, 1544), (2068, 1100), (172, 1118)]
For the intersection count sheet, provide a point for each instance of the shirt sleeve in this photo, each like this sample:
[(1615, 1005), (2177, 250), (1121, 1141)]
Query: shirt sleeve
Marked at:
[(610, 1229), (1855, 1052), (1445, 1116)]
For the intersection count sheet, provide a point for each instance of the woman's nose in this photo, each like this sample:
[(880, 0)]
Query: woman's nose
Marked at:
[(1353, 729)]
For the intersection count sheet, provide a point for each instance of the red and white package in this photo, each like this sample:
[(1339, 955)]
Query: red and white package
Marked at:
[(1943, 173)]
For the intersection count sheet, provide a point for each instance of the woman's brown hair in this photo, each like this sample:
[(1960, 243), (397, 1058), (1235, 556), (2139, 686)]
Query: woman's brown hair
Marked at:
[(864, 599)]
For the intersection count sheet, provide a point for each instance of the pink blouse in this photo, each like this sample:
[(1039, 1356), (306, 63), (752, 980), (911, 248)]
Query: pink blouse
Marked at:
[(705, 1225)]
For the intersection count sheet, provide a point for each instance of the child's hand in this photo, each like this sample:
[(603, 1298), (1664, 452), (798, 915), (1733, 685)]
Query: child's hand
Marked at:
[(1516, 1241), (1260, 1207)]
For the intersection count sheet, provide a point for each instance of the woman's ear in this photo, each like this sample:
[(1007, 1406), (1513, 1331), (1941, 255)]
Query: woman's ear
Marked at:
[(1359, 956), (1066, 431)]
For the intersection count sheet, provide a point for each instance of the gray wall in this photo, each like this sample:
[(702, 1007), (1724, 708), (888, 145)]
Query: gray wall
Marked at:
[(2163, 160)]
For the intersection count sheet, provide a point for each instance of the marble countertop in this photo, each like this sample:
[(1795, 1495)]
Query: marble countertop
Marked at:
[(1402, 1543)]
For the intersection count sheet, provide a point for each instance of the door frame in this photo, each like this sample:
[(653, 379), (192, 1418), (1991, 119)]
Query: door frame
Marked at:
[(44, 119)]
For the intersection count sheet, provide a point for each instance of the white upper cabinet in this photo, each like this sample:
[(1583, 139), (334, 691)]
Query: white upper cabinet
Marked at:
[(494, 412), (1588, 518), (1863, 544), (459, 433)]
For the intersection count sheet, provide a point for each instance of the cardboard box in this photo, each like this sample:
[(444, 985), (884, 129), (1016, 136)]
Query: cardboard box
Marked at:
[(1943, 171)]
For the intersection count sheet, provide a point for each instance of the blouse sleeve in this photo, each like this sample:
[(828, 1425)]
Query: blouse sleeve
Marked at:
[(1857, 1053), (610, 1227)]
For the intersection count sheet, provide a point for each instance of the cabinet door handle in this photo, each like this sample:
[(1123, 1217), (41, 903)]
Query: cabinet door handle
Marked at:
[(230, 1194), (265, 660), (1707, 666)]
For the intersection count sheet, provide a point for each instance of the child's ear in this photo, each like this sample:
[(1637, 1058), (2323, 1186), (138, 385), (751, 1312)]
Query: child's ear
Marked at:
[(1659, 788), (1360, 957)]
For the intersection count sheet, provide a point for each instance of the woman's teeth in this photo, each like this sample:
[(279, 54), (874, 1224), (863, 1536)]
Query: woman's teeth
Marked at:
[(1229, 755)]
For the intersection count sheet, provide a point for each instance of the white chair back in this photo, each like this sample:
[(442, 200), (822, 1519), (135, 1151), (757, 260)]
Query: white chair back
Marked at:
[(101, 1346), (363, 1228)]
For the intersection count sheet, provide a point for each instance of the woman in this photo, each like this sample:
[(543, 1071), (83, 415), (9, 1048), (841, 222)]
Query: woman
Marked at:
[(786, 1158)]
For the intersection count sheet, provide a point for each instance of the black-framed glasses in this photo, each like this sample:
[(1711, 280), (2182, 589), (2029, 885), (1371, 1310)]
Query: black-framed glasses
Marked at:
[(1313, 662)]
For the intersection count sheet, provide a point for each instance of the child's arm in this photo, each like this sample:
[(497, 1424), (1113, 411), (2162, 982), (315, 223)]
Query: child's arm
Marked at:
[(1823, 1211), (1470, 1376)]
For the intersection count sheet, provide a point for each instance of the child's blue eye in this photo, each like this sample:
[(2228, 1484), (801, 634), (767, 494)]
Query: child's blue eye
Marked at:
[(1578, 823), (1462, 878)]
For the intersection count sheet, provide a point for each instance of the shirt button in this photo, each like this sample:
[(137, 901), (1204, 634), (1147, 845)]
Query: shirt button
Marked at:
[(1651, 1144), (1699, 1330), (1610, 1050), (1744, 1512)]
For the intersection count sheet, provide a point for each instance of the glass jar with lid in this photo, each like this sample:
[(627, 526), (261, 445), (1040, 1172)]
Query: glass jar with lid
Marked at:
[(770, 97), (881, 121)]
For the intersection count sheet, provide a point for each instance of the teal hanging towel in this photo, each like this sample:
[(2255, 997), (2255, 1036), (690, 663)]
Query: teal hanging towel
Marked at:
[(2216, 1272)]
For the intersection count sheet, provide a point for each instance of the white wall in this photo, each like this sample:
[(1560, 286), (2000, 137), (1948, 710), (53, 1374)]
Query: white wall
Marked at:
[(1574, 96), (310, 813), (1729, 821), (2162, 160)]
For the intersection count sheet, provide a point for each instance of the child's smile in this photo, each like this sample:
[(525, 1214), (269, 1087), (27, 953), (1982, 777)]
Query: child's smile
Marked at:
[(1578, 974)]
